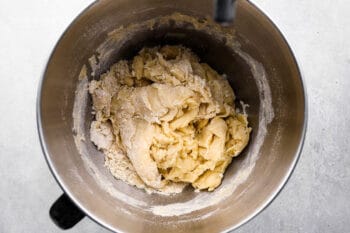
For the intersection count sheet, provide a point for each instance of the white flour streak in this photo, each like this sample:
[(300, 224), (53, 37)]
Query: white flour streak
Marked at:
[(80, 103)]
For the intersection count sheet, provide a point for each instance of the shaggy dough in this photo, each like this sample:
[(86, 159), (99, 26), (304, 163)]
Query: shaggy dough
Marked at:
[(165, 120)]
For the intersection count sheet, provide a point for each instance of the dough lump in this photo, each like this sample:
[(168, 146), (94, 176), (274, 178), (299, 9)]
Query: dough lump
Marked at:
[(165, 120)]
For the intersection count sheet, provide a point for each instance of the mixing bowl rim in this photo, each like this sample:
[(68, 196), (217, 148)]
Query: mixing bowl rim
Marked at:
[(100, 221)]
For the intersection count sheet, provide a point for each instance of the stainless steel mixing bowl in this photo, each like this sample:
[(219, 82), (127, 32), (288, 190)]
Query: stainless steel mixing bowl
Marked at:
[(257, 36)]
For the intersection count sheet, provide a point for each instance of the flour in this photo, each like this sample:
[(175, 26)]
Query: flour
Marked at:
[(79, 116)]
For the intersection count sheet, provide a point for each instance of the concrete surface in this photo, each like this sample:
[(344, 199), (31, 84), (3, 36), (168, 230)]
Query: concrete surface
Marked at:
[(317, 197)]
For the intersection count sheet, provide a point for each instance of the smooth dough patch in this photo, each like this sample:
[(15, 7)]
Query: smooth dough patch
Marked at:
[(165, 120)]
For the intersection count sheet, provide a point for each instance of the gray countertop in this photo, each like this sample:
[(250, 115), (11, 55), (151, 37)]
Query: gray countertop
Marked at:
[(316, 198)]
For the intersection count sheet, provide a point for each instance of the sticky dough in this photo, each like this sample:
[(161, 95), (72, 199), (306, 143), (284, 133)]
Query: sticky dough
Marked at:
[(165, 120)]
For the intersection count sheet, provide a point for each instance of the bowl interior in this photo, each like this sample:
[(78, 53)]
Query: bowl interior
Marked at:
[(115, 204)]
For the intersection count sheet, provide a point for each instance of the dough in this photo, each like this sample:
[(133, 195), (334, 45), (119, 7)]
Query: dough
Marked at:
[(165, 120)]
